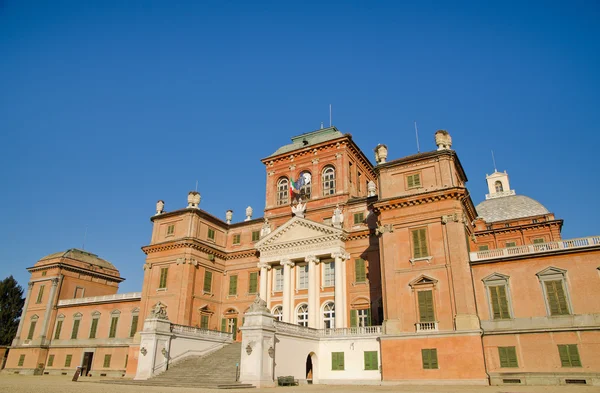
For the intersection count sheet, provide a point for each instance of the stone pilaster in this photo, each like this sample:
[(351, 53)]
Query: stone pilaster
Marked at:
[(287, 290), (264, 268), (313, 291), (22, 320), (340, 289), (48, 311)]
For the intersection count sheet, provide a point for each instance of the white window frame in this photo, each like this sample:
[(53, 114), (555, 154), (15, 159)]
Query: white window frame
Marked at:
[(276, 281), (328, 180), (497, 280), (278, 312), (328, 308), (555, 274), (302, 314), (331, 282), (302, 276)]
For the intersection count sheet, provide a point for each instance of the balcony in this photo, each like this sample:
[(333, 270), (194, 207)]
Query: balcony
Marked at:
[(532, 249), (282, 327), (426, 326)]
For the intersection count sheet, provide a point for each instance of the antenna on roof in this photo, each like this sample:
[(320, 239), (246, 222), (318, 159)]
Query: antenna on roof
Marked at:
[(417, 135), (321, 125), (330, 115), (196, 185), (494, 160), (84, 236)]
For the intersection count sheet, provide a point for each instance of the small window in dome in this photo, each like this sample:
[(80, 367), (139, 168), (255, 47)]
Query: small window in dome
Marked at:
[(506, 225), (498, 186), (534, 221)]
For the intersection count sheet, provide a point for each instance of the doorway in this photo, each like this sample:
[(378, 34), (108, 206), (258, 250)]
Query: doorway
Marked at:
[(86, 363), (311, 368)]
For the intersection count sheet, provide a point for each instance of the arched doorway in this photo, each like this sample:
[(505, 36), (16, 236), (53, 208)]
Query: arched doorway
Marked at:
[(311, 368)]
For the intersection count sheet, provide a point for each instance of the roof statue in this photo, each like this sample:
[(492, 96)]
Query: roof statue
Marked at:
[(266, 228), (338, 217), (160, 207), (299, 209), (159, 311)]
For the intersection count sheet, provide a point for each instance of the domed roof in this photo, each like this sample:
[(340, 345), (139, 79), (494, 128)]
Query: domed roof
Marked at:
[(509, 208), (81, 256)]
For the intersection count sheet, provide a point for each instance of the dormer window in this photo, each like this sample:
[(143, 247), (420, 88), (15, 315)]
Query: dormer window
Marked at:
[(498, 186)]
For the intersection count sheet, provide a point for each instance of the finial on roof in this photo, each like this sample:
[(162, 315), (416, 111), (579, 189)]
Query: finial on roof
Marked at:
[(443, 140), (381, 153), (248, 213), (193, 199), (228, 216)]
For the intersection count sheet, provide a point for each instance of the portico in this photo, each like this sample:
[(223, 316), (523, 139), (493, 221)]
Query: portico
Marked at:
[(301, 241)]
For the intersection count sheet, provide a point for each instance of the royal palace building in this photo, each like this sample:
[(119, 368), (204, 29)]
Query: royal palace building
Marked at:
[(356, 273)]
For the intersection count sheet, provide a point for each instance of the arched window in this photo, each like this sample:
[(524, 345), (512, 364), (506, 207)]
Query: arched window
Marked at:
[(302, 315), (328, 178), (329, 315), (278, 313), (499, 187), (283, 191), (305, 179)]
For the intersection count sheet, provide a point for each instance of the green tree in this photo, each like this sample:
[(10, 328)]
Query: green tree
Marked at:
[(11, 306)]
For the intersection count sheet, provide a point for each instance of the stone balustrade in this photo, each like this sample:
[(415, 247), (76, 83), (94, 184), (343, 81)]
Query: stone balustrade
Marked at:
[(101, 299), (426, 326), (199, 332), (282, 327), (529, 249)]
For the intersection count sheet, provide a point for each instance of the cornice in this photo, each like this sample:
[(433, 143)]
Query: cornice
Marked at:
[(76, 269), (185, 243), (518, 228), (531, 256), (454, 193), (242, 254)]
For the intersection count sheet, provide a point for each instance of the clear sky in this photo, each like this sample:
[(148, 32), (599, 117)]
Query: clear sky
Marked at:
[(108, 106)]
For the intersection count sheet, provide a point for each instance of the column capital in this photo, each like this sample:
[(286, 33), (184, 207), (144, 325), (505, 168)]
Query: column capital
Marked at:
[(312, 258), (286, 262), (264, 265), (30, 285), (54, 282), (343, 255)]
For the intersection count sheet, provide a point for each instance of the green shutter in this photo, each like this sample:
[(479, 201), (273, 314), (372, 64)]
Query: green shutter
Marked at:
[(134, 324), (68, 360), (40, 294), (126, 360), (429, 357), (556, 297), (563, 352), (21, 360), (538, 241), (31, 330), (113, 327), (368, 317), (204, 321), (163, 277), (434, 359), (574, 355), (426, 306), (94, 328), (508, 357), (223, 325), (253, 282), (50, 360), (75, 329), (420, 243), (255, 236), (234, 332), (233, 285), (499, 302), (353, 318), (106, 361), (410, 181), (371, 360), (207, 281), (58, 328), (337, 361), (360, 270)]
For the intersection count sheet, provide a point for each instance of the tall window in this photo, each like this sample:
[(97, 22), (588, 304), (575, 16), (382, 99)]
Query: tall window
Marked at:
[(283, 191), (350, 169), (358, 181), (360, 271), (59, 324), (32, 327), (68, 359), (306, 188), (50, 360), (419, 243), (302, 276), (163, 278), (278, 279), (76, 323), (426, 312), (233, 285), (498, 186), (498, 296), (328, 178), (204, 321), (21, 360), (360, 318), (302, 315), (207, 281), (253, 285), (134, 323), (40, 294), (278, 313), (328, 274), (106, 361), (94, 327), (114, 321), (329, 315), (554, 285)]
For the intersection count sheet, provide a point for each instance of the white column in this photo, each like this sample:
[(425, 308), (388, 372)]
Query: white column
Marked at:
[(22, 320), (287, 290), (313, 291), (340, 289), (264, 268), (48, 308)]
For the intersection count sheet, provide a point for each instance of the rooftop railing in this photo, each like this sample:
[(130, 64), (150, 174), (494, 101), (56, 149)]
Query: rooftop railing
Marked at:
[(283, 327), (101, 299), (540, 248)]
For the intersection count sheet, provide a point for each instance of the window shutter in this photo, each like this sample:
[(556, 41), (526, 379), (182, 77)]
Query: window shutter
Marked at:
[(341, 360), (50, 360), (204, 321), (416, 246), (134, 324), (433, 358), (511, 353), (502, 352), (94, 328), (113, 327), (360, 271), (163, 277), (423, 242), (58, 328), (31, 330), (75, 329), (232, 285), (234, 328), (367, 360), (574, 355), (417, 179), (107, 361), (223, 325), (353, 318), (556, 297), (410, 181), (368, 317), (253, 282), (563, 352), (425, 299), (495, 303), (503, 302), (334, 360), (207, 281), (425, 358)]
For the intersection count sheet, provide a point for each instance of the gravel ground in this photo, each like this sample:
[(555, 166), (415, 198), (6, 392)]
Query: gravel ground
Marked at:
[(62, 384)]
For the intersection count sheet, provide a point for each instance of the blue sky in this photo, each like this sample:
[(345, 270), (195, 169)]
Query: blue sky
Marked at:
[(108, 106)]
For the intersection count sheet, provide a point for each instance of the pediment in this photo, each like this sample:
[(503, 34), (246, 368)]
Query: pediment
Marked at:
[(423, 280), (300, 230), (551, 271), (496, 277)]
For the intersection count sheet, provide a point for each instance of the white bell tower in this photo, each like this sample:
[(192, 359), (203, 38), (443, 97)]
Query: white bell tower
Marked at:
[(498, 185)]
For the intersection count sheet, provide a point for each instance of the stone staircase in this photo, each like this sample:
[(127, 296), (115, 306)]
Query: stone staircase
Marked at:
[(217, 371)]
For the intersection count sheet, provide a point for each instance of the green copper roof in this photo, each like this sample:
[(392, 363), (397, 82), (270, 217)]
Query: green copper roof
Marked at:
[(308, 139)]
